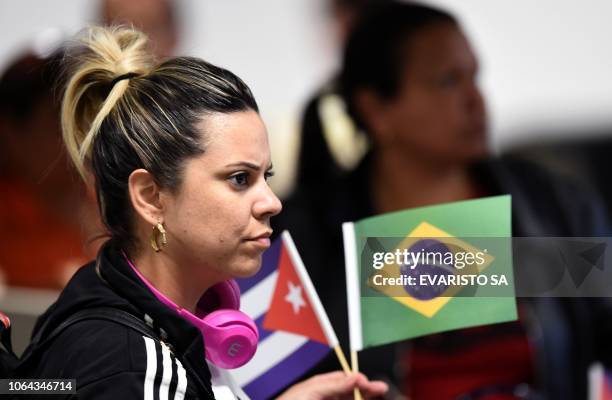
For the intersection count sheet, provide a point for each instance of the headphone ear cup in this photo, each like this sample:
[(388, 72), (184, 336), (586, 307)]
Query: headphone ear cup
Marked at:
[(223, 295), (229, 293), (230, 338)]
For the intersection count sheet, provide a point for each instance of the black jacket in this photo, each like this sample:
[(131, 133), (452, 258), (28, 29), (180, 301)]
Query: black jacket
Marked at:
[(111, 361), (542, 205)]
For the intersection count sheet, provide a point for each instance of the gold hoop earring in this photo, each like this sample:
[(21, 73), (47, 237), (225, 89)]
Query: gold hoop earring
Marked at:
[(158, 230)]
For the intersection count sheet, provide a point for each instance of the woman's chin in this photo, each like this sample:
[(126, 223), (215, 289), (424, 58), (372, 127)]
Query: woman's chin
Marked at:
[(247, 268)]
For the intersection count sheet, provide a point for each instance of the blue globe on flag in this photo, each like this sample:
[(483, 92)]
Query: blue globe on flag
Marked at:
[(429, 268)]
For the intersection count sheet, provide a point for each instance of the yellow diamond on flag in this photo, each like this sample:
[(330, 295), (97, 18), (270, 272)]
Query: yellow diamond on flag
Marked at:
[(430, 301)]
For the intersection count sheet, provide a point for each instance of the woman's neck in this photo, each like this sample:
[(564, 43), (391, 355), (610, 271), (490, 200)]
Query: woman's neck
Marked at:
[(401, 181), (171, 279)]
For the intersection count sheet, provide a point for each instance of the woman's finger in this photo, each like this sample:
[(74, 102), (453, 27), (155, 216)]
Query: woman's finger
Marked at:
[(371, 389)]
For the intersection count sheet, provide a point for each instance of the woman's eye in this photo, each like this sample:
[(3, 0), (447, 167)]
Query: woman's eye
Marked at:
[(449, 80), (240, 180), (268, 174)]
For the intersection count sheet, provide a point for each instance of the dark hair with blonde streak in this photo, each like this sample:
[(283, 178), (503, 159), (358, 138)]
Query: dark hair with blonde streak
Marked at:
[(122, 111)]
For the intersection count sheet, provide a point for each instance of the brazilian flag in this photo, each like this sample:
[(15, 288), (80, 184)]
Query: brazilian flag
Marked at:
[(431, 269)]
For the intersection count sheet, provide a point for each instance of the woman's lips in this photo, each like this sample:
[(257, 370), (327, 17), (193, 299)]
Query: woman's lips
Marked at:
[(262, 240)]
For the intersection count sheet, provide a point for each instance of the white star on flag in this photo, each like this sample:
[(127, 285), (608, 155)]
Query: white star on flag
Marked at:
[(295, 297)]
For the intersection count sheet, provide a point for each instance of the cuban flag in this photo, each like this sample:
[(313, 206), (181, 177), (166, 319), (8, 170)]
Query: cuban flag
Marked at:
[(294, 330)]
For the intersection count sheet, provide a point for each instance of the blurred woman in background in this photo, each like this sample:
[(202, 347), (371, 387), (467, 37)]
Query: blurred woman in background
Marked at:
[(410, 81)]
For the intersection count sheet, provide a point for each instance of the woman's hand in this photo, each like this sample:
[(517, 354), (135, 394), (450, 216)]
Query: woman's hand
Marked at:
[(334, 385)]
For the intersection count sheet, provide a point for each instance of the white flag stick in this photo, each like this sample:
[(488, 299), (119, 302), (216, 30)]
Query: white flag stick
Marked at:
[(353, 292), (353, 296)]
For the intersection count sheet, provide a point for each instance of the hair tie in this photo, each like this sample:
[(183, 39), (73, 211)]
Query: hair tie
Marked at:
[(124, 76)]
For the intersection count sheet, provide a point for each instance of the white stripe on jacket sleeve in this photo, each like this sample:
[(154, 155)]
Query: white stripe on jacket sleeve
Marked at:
[(167, 373), (181, 387), (151, 368)]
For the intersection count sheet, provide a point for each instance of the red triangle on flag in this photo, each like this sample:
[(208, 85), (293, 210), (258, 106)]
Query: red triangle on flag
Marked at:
[(290, 309)]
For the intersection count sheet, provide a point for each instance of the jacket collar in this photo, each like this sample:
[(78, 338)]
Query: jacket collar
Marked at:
[(184, 339)]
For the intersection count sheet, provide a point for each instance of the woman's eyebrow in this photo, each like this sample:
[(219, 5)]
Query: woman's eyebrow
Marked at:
[(248, 165)]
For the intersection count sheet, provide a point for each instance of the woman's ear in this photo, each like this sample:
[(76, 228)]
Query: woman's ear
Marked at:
[(374, 114), (145, 196)]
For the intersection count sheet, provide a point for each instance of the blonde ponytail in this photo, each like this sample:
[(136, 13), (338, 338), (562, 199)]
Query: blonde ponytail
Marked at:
[(93, 89)]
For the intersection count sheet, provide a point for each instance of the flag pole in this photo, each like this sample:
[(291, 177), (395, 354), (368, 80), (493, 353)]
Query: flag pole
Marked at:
[(353, 296), (355, 364), (347, 370), (342, 359)]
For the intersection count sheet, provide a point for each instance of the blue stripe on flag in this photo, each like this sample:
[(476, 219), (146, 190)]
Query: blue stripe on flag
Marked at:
[(263, 333), (269, 264), (287, 371)]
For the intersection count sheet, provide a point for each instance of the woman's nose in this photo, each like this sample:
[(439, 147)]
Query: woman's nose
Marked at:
[(268, 204), (475, 99)]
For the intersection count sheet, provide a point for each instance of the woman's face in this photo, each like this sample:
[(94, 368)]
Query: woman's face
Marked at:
[(219, 221), (439, 112)]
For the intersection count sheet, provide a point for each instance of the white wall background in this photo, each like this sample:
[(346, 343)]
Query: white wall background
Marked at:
[(546, 63)]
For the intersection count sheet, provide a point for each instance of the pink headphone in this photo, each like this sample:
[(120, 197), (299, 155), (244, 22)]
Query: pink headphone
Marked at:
[(230, 335)]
